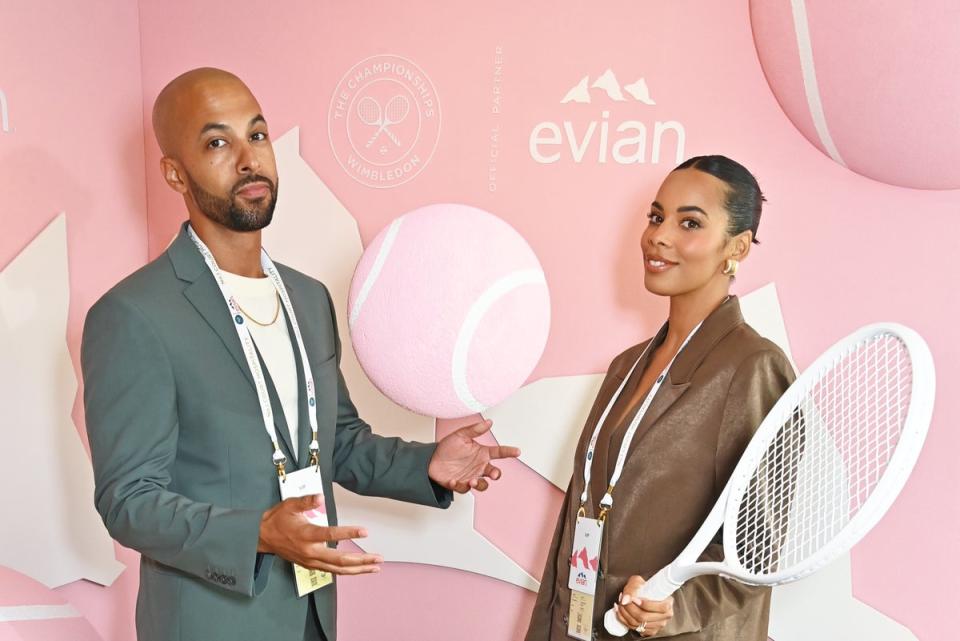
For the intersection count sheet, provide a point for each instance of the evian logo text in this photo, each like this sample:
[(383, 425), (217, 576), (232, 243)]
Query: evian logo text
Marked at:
[(384, 121), (596, 138), (4, 113)]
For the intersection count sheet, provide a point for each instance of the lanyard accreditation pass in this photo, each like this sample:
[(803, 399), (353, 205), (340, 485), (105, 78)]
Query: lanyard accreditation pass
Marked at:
[(302, 482), (585, 559)]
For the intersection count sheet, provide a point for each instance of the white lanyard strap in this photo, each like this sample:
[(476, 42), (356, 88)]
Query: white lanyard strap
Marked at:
[(250, 352), (607, 502)]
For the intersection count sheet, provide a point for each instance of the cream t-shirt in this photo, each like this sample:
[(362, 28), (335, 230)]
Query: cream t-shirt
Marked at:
[(258, 297)]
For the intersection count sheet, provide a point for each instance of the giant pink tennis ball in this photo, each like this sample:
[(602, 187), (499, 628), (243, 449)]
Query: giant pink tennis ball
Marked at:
[(449, 310), (871, 83)]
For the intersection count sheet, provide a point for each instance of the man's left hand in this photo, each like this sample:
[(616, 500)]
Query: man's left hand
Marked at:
[(461, 464)]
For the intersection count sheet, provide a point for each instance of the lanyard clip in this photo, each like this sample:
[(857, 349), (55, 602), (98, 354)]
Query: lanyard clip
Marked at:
[(605, 504), (315, 452), (280, 462)]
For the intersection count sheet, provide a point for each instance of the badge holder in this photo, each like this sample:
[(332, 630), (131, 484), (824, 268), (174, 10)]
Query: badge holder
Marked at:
[(584, 566), (305, 482)]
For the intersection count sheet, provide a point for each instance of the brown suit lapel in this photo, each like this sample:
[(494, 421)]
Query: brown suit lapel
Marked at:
[(717, 325)]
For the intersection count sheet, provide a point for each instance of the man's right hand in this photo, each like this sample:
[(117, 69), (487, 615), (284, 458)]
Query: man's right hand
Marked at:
[(285, 531)]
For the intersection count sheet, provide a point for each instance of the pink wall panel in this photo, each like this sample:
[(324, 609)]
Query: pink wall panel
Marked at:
[(844, 250)]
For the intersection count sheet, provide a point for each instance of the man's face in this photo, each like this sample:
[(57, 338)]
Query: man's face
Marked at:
[(225, 151)]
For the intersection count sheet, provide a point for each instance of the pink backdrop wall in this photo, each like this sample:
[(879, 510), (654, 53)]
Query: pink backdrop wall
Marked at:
[(71, 75), (843, 249)]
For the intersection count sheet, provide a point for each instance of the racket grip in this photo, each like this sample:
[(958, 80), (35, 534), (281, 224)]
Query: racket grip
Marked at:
[(658, 588), (613, 625)]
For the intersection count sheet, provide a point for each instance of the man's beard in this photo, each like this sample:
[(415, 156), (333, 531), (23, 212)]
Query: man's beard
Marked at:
[(231, 215)]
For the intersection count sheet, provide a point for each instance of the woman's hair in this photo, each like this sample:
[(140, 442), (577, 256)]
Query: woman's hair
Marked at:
[(744, 198)]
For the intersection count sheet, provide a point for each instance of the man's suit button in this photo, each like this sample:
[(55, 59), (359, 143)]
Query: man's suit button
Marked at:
[(231, 580)]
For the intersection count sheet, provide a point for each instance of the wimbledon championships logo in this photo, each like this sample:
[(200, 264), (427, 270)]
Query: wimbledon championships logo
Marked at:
[(384, 121)]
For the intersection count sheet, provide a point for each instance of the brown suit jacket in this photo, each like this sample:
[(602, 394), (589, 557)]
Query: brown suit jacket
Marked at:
[(718, 391)]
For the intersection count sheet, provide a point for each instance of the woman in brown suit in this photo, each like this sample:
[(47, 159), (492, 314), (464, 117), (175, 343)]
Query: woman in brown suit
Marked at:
[(718, 379)]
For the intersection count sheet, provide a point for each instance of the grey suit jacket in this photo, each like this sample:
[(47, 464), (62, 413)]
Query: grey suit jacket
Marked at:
[(182, 462)]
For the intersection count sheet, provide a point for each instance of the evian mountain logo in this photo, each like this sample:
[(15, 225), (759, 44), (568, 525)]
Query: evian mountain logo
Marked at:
[(384, 121), (4, 113), (608, 82), (585, 137)]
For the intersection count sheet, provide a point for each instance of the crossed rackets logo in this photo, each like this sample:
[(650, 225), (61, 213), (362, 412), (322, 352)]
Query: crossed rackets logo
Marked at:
[(371, 113)]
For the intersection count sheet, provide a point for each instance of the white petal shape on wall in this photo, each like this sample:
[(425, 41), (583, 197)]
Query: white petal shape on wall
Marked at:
[(840, 616), (544, 419), (314, 233), (45, 466), (761, 310)]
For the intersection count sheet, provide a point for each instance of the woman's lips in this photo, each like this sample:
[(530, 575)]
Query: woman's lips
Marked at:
[(657, 265)]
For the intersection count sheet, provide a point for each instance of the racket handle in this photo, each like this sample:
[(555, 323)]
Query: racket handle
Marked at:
[(658, 588), (613, 625)]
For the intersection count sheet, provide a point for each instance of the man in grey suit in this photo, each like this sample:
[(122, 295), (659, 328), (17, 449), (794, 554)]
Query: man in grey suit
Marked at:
[(198, 404)]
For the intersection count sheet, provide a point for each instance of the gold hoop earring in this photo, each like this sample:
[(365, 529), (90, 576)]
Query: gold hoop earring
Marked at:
[(730, 267)]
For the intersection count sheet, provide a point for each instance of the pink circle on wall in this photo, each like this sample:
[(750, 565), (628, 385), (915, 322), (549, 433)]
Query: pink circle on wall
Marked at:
[(449, 310), (871, 83)]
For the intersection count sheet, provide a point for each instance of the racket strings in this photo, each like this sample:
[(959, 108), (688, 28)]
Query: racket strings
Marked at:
[(369, 111), (397, 109), (824, 463)]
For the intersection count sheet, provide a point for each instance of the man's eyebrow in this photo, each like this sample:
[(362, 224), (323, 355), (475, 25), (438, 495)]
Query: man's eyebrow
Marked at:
[(214, 125)]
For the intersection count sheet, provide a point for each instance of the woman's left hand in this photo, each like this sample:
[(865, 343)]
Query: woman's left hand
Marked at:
[(642, 615)]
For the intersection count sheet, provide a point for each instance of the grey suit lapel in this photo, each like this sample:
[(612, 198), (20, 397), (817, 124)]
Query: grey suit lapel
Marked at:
[(204, 294), (308, 318), (305, 432)]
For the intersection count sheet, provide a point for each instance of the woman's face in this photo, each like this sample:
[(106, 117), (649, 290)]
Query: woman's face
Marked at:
[(685, 244)]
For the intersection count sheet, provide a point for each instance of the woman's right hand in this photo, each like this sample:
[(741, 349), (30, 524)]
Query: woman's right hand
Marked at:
[(642, 615)]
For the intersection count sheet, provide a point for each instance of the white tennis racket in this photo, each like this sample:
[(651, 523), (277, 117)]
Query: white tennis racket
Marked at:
[(821, 470)]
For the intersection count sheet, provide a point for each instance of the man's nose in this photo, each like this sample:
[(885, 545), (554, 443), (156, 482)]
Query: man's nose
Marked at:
[(248, 162)]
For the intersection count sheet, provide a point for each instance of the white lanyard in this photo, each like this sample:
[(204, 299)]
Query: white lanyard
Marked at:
[(250, 352), (607, 502)]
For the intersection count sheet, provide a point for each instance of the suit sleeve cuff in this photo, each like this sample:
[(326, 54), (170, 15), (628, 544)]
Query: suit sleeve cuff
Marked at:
[(424, 490)]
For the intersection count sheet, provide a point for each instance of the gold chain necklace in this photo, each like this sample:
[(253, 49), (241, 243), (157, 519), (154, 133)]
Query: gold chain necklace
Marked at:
[(276, 314)]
